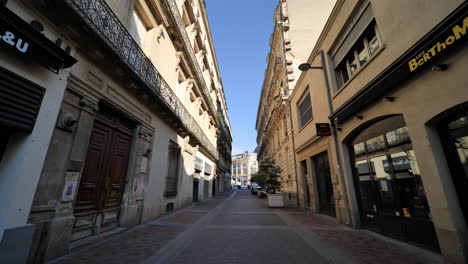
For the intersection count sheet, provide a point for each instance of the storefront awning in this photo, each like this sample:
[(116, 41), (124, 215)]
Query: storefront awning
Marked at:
[(21, 38)]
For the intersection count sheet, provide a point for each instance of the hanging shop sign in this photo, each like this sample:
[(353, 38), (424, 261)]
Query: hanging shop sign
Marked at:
[(19, 37), (444, 38), (323, 129)]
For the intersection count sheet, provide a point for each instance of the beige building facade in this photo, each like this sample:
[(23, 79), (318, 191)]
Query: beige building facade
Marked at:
[(132, 99), (297, 25), (243, 167), (395, 95)]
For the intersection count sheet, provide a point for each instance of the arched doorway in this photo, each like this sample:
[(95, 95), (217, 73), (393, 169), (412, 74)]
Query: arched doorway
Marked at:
[(388, 183), (453, 131)]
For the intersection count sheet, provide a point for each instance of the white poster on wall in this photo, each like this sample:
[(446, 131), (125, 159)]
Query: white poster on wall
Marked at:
[(71, 184)]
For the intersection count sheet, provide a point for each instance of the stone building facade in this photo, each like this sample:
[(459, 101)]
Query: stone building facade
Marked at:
[(297, 25), (393, 88), (131, 98), (243, 166)]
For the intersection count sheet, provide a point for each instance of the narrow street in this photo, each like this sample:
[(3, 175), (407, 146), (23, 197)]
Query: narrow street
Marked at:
[(240, 228)]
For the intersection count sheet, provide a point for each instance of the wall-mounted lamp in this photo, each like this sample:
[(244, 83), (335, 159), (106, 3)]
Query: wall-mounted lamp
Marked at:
[(307, 66), (357, 117), (388, 99), (440, 67)]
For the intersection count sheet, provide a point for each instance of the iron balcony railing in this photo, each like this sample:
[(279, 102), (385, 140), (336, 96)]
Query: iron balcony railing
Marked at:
[(99, 17)]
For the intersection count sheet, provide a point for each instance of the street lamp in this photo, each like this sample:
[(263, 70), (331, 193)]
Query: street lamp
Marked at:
[(306, 67)]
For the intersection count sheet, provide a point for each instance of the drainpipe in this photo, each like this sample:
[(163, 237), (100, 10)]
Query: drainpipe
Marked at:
[(294, 151), (335, 138), (289, 106)]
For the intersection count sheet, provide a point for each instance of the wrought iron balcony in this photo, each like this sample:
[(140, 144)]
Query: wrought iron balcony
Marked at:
[(98, 16)]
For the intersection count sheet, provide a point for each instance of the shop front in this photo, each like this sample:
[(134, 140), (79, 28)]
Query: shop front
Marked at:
[(453, 132), (403, 138), (32, 83), (388, 183)]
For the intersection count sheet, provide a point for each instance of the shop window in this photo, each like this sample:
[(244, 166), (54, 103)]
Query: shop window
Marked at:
[(454, 136), (397, 136), (365, 186), (375, 144), (172, 178), (389, 185), (359, 149), (304, 109), (364, 48)]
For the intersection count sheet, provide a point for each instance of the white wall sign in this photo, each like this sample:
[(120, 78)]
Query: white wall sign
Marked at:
[(71, 184)]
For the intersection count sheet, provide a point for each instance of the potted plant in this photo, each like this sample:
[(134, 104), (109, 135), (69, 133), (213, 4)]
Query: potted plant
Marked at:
[(268, 177)]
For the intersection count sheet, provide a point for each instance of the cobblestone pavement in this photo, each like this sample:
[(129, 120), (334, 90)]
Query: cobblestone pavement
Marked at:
[(240, 228)]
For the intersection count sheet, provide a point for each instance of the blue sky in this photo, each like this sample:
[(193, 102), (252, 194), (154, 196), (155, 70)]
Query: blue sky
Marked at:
[(241, 31)]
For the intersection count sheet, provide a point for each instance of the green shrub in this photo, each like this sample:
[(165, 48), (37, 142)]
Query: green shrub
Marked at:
[(268, 175)]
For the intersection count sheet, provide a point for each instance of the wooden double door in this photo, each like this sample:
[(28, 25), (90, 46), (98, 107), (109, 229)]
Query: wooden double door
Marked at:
[(99, 197)]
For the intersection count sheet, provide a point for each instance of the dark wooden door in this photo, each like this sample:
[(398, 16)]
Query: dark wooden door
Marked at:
[(195, 191), (324, 185), (213, 188), (115, 179), (97, 205), (305, 175)]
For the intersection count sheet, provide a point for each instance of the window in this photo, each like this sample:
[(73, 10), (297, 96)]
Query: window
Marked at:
[(342, 75), (397, 136), (137, 28), (172, 178), (285, 125), (364, 48), (304, 109), (278, 137)]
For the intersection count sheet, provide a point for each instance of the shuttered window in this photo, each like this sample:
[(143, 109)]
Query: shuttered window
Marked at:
[(172, 178), (304, 109)]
